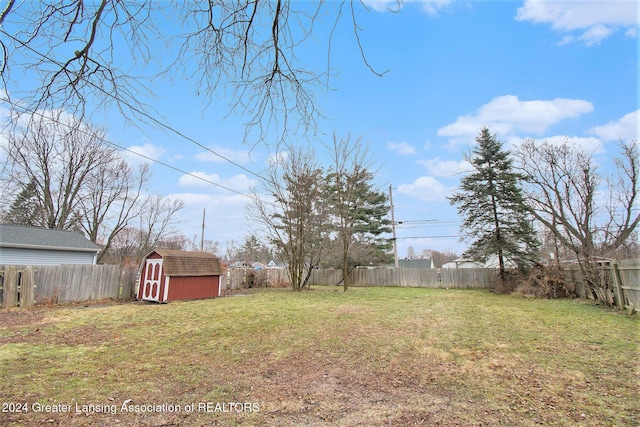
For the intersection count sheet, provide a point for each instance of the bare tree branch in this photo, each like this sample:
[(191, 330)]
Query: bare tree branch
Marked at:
[(81, 56), (564, 189)]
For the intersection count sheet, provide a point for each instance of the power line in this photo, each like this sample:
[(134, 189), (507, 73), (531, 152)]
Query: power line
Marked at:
[(104, 140), (137, 110)]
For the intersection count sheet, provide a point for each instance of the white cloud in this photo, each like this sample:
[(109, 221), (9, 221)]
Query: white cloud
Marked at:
[(238, 156), (431, 7), (593, 21), (240, 183), (625, 128), (134, 153), (401, 147), (198, 179), (382, 5), (426, 188), (506, 115), (445, 168), (592, 36)]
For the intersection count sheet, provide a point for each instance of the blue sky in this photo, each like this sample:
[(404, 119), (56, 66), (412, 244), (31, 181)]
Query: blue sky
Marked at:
[(545, 70)]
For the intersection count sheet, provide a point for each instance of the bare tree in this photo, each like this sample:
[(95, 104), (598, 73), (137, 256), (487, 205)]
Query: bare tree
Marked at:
[(566, 194), (438, 258), (71, 180), (111, 199), (245, 50), (124, 248), (59, 156), (293, 212), (157, 221)]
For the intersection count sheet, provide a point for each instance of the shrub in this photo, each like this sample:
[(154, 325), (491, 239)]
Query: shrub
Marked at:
[(546, 282)]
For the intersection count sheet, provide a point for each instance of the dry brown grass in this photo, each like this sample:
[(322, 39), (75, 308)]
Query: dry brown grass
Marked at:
[(368, 357)]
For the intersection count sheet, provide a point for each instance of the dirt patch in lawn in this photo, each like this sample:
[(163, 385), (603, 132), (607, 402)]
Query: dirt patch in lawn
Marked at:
[(18, 317), (33, 325)]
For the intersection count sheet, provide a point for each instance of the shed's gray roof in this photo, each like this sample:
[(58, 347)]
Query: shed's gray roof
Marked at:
[(20, 236)]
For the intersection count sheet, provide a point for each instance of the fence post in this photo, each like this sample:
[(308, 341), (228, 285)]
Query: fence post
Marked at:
[(619, 294), (27, 288), (10, 286)]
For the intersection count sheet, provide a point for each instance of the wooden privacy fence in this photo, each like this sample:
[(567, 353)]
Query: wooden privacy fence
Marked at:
[(405, 277), (627, 275), (409, 277), (23, 286), (620, 283)]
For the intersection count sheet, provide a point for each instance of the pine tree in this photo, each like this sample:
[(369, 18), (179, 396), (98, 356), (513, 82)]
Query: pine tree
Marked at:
[(24, 208), (491, 201), (359, 215)]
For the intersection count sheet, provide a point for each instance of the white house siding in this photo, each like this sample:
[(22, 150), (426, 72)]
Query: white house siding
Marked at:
[(22, 256)]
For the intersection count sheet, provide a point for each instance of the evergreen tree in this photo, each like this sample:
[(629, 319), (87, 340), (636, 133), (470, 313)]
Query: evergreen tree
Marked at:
[(491, 201), (359, 215), (24, 209)]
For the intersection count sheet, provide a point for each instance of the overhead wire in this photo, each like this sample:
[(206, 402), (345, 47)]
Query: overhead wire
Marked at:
[(104, 140), (426, 223), (182, 135), (137, 110)]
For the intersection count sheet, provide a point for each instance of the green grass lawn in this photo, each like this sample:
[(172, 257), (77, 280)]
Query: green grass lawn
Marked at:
[(371, 356)]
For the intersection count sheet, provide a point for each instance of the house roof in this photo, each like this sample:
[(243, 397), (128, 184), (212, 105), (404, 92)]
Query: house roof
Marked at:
[(21, 236), (182, 263), (462, 261), (240, 264)]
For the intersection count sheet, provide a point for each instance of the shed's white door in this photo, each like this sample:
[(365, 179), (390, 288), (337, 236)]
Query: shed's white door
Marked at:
[(151, 286)]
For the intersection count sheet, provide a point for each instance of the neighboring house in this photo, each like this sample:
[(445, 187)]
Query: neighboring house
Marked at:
[(492, 262), (258, 265), (415, 263), (170, 275), (240, 265), (23, 245), (462, 263), (276, 266)]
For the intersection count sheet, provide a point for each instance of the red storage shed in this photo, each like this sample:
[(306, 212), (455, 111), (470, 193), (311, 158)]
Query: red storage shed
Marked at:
[(170, 275)]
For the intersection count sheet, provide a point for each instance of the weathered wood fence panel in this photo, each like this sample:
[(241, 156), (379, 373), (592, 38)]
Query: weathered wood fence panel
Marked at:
[(409, 277), (620, 283), (25, 285), (628, 274), (326, 276)]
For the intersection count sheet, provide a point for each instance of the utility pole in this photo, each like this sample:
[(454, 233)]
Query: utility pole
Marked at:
[(393, 229), (202, 235)]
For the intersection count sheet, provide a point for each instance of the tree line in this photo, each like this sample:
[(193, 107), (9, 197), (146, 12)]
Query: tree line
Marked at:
[(59, 173), (308, 210), (63, 176)]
